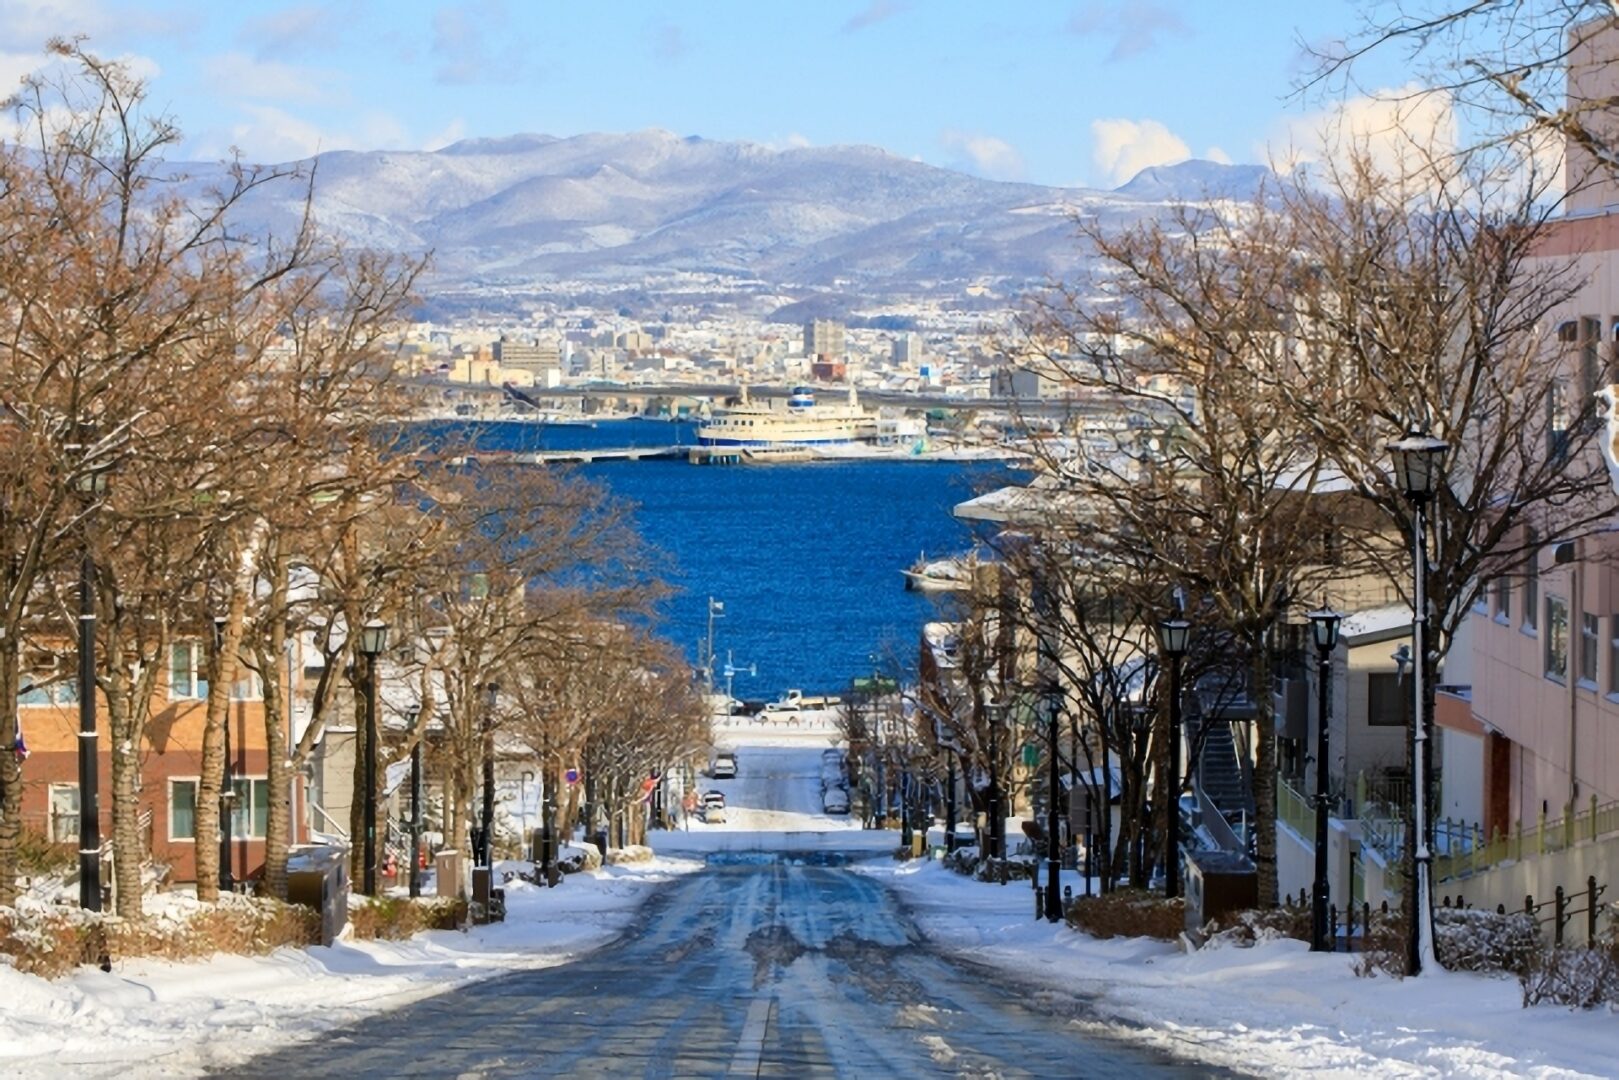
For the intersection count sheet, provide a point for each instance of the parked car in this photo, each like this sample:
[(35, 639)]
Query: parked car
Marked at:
[(714, 807), (724, 767), (835, 801)]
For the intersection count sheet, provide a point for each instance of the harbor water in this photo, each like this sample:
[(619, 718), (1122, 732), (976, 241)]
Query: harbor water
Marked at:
[(805, 557)]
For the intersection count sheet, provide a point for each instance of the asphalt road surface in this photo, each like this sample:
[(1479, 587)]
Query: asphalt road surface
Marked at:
[(758, 966)]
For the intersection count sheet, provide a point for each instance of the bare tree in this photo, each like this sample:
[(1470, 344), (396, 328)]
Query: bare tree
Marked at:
[(1189, 341)]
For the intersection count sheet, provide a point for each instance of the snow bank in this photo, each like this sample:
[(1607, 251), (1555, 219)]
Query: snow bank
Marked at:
[(152, 1018), (1275, 1008)]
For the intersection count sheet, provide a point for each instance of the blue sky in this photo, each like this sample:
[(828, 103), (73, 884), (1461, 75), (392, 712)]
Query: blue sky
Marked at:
[(1072, 93)]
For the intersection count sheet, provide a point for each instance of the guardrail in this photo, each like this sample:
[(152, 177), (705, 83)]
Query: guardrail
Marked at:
[(1548, 835)]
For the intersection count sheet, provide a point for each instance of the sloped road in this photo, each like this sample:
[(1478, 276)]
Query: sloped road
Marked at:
[(759, 966)]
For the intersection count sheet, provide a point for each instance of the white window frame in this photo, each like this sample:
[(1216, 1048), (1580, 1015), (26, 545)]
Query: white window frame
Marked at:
[(1550, 654), (72, 832), (1590, 649), (247, 687), (196, 783), (241, 809)]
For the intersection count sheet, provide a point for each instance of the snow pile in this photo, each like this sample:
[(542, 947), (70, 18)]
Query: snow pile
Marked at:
[(1275, 1008), (152, 1018)]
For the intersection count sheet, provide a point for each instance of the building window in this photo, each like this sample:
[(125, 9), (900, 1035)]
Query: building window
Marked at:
[(250, 810), (1531, 581), (1613, 654), (186, 671), (1588, 649), (188, 675), (1503, 598), (182, 809), (1556, 650), (1388, 699), (64, 810), (249, 814), (39, 690)]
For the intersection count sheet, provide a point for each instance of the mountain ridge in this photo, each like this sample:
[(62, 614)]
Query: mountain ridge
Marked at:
[(532, 212)]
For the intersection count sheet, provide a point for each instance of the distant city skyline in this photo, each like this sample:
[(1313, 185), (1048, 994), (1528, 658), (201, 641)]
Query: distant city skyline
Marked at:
[(1070, 94)]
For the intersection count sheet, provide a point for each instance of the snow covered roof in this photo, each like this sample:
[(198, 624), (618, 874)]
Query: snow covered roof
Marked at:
[(1376, 623)]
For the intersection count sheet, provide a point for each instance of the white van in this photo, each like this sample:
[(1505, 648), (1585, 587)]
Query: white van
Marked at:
[(724, 767)]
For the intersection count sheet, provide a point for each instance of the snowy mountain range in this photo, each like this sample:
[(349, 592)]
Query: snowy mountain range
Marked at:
[(519, 215)]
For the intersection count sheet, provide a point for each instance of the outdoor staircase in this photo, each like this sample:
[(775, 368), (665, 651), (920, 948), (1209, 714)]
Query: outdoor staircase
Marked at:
[(1220, 775)]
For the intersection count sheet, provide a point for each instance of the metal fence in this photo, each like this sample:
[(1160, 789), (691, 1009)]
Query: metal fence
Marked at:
[(1555, 834)]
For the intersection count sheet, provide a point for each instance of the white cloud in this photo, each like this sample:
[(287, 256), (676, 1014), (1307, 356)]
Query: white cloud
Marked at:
[(272, 135), (1397, 130), (984, 154), (1214, 153), (1121, 148), (239, 75), (795, 141)]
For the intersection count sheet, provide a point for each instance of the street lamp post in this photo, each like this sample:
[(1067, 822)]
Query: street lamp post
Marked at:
[(1324, 624), (1418, 459), (227, 785), (489, 777), (415, 806), (1053, 848), (995, 712), (90, 485), (373, 639), (1173, 635)]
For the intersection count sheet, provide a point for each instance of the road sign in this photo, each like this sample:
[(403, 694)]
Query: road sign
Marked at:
[(571, 776), (1031, 755)]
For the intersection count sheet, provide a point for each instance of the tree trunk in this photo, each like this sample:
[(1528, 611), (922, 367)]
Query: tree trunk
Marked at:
[(278, 767), (357, 683), (129, 853), (212, 781), (10, 773)]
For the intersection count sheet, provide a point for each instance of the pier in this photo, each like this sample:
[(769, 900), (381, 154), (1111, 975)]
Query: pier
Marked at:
[(574, 457)]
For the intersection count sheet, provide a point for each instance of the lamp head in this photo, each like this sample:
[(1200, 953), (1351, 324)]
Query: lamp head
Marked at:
[(1324, 625), (1173, 637), (1418, 461), (373, 638)]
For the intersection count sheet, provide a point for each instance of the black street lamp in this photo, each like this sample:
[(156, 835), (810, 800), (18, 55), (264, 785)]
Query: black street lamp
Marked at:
[(373, 639), (227, 785), (1324, 624), (487, 856), (1053, 707), (1418, 462), (1173, 637), (90, 486), (995, 713), (411, 720)]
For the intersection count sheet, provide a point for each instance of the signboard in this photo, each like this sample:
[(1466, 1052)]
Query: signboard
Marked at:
[(571, 776), (1031, 755)]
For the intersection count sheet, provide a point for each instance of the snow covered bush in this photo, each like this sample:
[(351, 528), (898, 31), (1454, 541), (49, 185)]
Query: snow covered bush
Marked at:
[(1128, 913), (1578, 978), (1466, 939), (573, 860), (50, 941), (1247, 928), (394, 918), (634, 853), (1001, 871), (963, 861)]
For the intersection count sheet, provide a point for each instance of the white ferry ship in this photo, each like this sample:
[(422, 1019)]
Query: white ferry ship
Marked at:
[(801, 423)]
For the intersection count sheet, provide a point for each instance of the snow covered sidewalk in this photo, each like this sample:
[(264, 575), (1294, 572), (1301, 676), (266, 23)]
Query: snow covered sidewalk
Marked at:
[(1274, 1009), (154, 1018)]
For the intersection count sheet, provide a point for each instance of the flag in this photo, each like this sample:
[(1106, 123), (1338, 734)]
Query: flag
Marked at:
[(19, 747)]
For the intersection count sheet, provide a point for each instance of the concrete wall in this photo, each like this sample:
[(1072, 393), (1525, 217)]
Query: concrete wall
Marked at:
[(1539, 876)]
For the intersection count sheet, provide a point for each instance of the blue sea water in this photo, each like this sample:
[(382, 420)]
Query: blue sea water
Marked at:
[(805, 557)]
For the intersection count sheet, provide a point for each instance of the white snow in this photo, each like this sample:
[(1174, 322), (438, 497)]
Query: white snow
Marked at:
[(154, 1018), (1275, 1009)]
